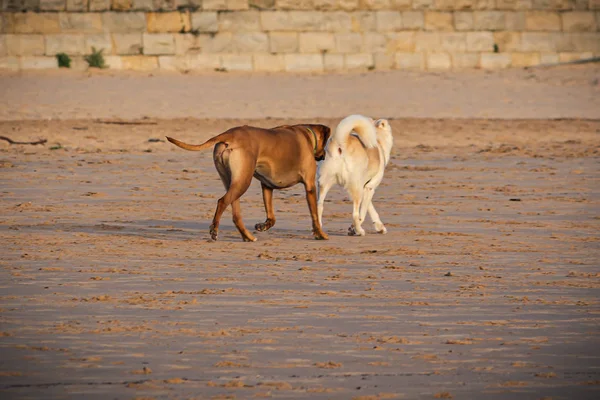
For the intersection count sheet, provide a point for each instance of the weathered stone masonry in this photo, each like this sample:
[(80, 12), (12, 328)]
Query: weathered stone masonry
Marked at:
[(302, 35)]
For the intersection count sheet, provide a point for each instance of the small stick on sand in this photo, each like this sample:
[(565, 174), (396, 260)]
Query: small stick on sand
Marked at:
[(9, 140)]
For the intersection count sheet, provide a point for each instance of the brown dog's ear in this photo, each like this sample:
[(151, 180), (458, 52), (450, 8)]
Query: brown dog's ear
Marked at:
[(325, 133)]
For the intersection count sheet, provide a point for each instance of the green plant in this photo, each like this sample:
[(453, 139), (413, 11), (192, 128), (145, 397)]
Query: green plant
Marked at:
[(96, 59), (495, 48), (64, 61)]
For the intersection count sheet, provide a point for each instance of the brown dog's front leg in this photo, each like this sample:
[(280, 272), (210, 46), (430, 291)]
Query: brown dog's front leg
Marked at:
[(268, 199), (311, 198)]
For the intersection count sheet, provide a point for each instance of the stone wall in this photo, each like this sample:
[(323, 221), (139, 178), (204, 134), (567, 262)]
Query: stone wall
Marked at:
[(301, 35)]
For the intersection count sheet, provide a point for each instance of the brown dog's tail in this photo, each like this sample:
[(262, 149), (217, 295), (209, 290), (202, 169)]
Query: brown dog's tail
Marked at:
[(195, 147)]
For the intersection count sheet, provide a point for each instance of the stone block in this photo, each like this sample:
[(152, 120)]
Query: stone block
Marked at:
[(388, 21), (413, 20), (508, 41), (438, 61), (262, 4), (401, 4), (402, 42), (578, 21), (374, 4), (495, 60), (237, 5), (128, 43), (121, 5), (525, 59), (72, 44), (113, 62), (333, 62), (168, 22), (53, 5), (316, 42), (3, 46), (99, 5), (205, 21), (548, 58), (78, 63), (375, 42), (166, 5), (158, 44), (214, 4), (303, 62), (513, 4), (427, 41), (581, 42), (242, 21), (338, 21), (283, 42), (139, 63), (9, 63), (203, 61), (489, 20), (24, 45), (542, 21), (363, 21), (453, 42), (383, 61), (294, 4), (219, 43), (515, 21), (463, 21), (80, 22), (423, 4), (143, 5), (237, 62), (568, 57), (465, 60), (594, 5), (99, 41), (438, 21), (250, 42), (186, 43), (409, 61), (120, 22), (292, 21), (189, 62), (32, 23), (361, 61), (348, 42), (269, 62), (37, 62), (77, 5), (480, 41), (552, 4), (538, 42)]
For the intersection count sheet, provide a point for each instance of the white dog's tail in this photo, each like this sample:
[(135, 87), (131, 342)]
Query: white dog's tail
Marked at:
[(363, 127)]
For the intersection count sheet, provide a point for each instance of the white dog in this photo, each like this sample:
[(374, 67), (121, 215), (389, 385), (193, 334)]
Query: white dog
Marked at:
[(356, 156)]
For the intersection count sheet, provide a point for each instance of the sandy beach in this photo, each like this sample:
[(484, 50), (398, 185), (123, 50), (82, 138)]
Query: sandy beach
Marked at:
[(486, 285)]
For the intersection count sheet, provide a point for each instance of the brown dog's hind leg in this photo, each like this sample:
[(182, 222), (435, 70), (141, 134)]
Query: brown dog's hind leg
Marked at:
[(268, 199), (311, 198), (236, 170)]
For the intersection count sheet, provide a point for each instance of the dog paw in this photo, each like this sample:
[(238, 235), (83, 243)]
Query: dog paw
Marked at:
[(249, 239), (214, 232), (352, 231), (380, 228), (264, 226), (320, 235)]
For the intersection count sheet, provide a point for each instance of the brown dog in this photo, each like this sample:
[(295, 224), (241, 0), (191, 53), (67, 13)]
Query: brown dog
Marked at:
[(279, 158)]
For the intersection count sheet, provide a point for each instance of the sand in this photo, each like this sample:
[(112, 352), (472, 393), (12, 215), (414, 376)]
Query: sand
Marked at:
[(486, 285)]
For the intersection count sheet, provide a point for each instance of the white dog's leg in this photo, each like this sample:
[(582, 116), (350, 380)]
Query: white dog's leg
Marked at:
[(356, 228), (324, 186), (366, 202), (379, 227)]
